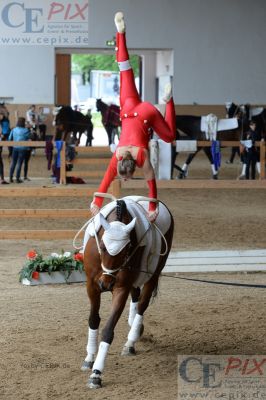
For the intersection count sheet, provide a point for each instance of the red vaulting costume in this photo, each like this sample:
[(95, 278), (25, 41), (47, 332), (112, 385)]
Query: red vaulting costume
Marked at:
[(137, 117)]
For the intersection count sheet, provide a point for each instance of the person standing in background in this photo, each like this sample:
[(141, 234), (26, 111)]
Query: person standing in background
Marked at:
[(19, 134), (89, 129), (41, 118), (2, 175), (252, 153)]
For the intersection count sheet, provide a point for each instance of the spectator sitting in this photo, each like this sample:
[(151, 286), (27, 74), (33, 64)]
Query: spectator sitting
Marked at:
[(31, 117), (41, 118)]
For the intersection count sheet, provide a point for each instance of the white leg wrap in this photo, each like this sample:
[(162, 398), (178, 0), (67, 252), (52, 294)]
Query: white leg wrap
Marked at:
[(244, 169), (101, 356), (184, 168), (134, 332), (92, 345), (214, 170), (258, 167), (124, 65), (132, 312)]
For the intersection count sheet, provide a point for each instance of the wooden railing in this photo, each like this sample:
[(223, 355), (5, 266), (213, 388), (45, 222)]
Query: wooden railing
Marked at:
[(57, 191), (97, 156), (230, 143), (100, 156)]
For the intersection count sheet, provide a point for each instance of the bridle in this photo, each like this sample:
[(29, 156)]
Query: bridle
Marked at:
[(240, 108), (108, 271), (124, 265)]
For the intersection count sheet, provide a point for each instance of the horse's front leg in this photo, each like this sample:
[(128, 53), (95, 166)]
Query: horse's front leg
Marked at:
[(114, 132), (137, 326), (174, 155), (184, 170), (94, 322), (109, 130), (129, 349), (207, 151), (144, 297), (133, 306), (119, 299)]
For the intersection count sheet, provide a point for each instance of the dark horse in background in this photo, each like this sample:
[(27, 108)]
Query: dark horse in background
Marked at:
[(70, 125), (110, 119), (113, 262), (247, 113), (189, 128)]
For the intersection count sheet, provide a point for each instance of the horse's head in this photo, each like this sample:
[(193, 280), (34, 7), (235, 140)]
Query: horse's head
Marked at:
[(99, 104), (231, 109), (240, 111), (114, 249)]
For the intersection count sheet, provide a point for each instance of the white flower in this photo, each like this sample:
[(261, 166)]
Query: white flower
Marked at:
[(67, 254), (55, 255)]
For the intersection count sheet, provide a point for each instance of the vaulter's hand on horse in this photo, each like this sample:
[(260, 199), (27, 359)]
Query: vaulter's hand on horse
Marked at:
[(152, 215), (94, 209)]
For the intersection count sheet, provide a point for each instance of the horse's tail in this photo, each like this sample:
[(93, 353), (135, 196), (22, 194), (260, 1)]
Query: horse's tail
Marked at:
[(163, 258)]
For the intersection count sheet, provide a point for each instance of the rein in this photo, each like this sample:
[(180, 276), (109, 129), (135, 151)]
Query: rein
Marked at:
[(106, 270), (123, 266)]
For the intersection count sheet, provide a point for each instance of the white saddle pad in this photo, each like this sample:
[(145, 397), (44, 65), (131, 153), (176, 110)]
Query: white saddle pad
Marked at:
[(147, 234), (222, 125), (226, 124), (186, 145), (255, 111)]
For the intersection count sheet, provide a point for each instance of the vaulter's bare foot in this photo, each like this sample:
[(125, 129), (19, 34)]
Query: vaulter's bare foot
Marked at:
[(120, 22), (167, 92)]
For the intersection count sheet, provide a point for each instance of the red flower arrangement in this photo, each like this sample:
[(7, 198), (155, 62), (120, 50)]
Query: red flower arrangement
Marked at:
[(35, 275), (31, 255), (78, 257), (67, 262)]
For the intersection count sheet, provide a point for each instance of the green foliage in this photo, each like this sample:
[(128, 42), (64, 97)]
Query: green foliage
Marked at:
[(97, 120), (84, 63), (66, 262)]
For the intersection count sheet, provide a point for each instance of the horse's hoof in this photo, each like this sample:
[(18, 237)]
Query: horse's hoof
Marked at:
[(86, 365), (215, 177), (182, 175), (95, 381), (128, 351)]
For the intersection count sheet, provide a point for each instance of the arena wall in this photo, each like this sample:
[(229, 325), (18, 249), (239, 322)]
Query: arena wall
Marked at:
[(217, 50)]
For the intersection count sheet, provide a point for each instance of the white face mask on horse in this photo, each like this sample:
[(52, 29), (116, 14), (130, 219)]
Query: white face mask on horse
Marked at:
[(116, 235)]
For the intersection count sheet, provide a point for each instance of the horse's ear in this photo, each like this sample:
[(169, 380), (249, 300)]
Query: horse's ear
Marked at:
[(105, 224), (128, 228)]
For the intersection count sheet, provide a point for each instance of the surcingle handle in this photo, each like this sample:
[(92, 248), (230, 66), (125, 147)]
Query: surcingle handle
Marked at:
[(105, 195)]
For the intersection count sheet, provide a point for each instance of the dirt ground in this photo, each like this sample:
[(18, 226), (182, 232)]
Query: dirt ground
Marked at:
[(43, 329)]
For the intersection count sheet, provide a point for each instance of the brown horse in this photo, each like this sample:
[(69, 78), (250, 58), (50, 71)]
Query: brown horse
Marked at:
[(124, 255), (110, 119)]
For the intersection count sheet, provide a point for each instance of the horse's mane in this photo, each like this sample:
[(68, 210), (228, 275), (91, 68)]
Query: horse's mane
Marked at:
[(121, 209), (122, 215)]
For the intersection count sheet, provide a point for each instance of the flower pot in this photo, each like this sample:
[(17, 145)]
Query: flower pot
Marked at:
[(55, 277)]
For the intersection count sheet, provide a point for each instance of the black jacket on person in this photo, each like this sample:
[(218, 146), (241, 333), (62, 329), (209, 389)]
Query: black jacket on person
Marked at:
[(254, 136)]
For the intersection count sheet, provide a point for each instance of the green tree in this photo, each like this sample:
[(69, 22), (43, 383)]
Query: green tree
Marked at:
[(84, 63)]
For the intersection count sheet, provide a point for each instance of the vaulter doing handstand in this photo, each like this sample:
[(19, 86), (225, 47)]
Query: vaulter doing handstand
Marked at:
[(137, 118)]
